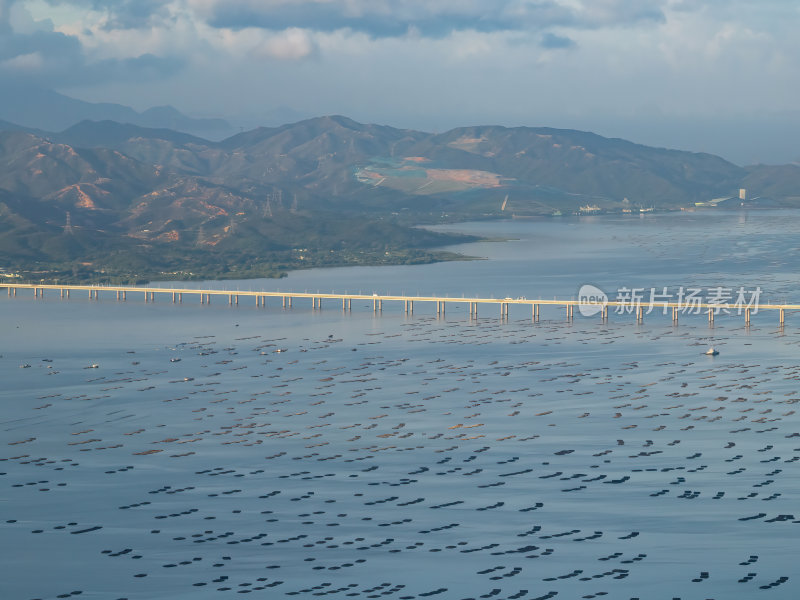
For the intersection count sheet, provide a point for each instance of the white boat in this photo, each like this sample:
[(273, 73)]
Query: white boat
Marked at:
[(712, 351)]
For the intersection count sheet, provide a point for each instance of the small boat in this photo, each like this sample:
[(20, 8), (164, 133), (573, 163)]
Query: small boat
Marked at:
[(712, 351), (93, 366), (25, 366), (174, 360)]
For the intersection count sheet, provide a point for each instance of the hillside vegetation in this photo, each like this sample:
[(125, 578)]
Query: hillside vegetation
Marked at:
[(118, 202)]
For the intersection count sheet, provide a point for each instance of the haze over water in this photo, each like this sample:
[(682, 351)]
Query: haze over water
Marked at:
[(410, 456)]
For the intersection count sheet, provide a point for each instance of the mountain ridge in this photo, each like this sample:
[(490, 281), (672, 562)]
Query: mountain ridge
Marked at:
[(154, 196), (45, 109)]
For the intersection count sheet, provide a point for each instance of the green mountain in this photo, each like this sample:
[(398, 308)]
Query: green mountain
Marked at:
[(104, 199)]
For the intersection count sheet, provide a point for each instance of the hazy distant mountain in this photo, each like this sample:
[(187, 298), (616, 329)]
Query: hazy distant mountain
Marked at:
[(110, 134), (147, 199), (8, 126), (31, 106)]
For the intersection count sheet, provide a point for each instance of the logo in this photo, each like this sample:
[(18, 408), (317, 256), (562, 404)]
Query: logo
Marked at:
[(591, 300)]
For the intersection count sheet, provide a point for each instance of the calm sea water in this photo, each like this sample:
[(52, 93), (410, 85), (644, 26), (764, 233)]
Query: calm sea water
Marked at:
[(409, 456)]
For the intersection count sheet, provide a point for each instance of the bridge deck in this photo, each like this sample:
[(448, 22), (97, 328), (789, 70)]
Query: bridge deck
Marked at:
[(638, 308)]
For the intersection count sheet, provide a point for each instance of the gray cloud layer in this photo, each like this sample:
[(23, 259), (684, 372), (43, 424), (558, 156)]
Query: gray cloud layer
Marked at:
[(409, 61), (53, 58), (384, 18), (377, 19)]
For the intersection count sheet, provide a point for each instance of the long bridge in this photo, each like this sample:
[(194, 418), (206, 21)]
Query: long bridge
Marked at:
[(285, 298)]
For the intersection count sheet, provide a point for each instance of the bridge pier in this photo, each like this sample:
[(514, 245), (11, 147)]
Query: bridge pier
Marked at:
[(180, 297), (710, 316), (747, 317), (639, 314), (344, 304), (535, 311), (781, 316), (675, 315), (236, 297)]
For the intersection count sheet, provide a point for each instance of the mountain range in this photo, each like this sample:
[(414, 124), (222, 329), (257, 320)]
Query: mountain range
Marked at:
[(123, 200), (31, 106)]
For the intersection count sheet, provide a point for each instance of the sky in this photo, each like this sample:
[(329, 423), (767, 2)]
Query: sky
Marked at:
[(706, 75)]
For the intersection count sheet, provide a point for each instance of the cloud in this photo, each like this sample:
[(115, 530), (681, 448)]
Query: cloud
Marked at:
[(290, 44), (122, 14), (23, 63), (617, 13), (51, 58), (555, 42), (429, 18), (5, 16), (33, 51), (514, 61)]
